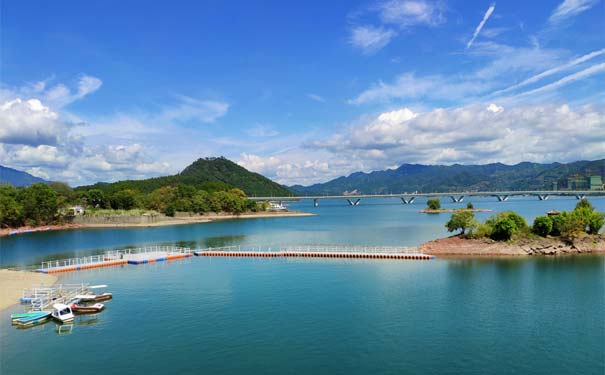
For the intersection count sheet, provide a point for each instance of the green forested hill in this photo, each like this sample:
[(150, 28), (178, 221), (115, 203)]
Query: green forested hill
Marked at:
[(445, 178), (209, 174)]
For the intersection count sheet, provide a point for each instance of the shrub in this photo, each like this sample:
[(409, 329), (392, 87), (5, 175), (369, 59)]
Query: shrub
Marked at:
[(461, 220), (542, 226), (484, 230), (595, 222), (558, 222), (503, 228), (470, 206), (169, 211), (434, 203)]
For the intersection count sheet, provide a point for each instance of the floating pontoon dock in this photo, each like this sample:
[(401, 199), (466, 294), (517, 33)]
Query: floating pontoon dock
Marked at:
[(117, 258), (166, 253), (319, 251)]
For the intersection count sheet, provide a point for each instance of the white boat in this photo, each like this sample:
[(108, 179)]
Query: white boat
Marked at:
[(277, 206), (62, 313)]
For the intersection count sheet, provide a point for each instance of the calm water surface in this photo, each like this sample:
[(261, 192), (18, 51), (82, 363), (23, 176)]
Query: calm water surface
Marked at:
[(217, 315)]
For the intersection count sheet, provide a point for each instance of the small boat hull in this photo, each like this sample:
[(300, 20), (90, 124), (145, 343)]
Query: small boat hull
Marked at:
[(80, 309), (103, 297)]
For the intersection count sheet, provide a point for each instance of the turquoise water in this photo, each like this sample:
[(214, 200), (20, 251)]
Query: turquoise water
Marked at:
[(242, 316)]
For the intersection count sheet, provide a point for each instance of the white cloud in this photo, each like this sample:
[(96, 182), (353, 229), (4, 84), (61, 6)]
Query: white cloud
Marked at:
[(405, 13), (570, 8), (370, 39), (469, 134), (28, 122), (37, 137), (494, 108), (60, 95), (486, 16), (316, 97)]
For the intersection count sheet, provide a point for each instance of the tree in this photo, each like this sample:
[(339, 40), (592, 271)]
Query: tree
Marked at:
[(470, 206), (558, 223), (11, 211), (461, 220), (95, 198), (595, 222), (434, 203), (542, 225), (123, 199), (584, 203), (40, 204)]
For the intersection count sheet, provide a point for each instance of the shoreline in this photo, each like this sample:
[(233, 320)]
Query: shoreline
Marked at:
[(13, 282), (179, 220)]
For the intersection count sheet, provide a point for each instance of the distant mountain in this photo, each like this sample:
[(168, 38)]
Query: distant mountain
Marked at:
[(444, 178), (208, 173), (17, 178)]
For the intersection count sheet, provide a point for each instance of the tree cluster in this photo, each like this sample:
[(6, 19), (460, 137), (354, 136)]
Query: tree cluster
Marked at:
[(583, 219), (43, 204)]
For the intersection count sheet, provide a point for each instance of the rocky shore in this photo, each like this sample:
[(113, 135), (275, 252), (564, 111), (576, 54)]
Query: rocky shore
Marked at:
[(459, 246)]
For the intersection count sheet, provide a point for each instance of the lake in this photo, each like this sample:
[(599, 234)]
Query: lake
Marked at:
[(273, 315)]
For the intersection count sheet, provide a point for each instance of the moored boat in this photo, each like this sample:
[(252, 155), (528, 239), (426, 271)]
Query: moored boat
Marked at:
[(82, 309), (30, 318), (62, 313), (103, 297)]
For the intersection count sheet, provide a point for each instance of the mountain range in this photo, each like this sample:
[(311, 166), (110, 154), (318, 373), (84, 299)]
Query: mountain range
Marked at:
[(17, 178), (449, 178)]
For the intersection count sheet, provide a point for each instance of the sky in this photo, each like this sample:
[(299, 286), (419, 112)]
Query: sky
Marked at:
[(300, 92)]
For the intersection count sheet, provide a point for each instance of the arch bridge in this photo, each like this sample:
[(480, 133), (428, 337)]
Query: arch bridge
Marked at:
[(456, 197)]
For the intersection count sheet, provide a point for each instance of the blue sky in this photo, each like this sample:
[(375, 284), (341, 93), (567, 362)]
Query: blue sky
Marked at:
[(301, 93)]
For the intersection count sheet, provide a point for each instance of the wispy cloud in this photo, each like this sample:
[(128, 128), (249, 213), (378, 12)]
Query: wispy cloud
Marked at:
[(316, 97), (570, 8), (595, 69), (262, 131), (486, 16), (552, 71), (370, 39), (405, 13)]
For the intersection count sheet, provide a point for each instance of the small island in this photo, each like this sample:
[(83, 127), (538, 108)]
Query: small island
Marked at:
[(507, 233), (434, 207)]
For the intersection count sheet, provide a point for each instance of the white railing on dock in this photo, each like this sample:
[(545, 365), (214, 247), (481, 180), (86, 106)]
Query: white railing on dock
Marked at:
[(169, 250), (112, 255), (43, 298)]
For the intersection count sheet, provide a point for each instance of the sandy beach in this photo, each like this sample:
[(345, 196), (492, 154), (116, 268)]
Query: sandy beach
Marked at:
[(163, 221), (13, 283)]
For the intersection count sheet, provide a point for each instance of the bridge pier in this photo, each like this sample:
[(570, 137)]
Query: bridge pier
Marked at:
[(502, 198), (457, 200), (315, 203), (408, 201), (580, 196), (543, 197), (356, 203)]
